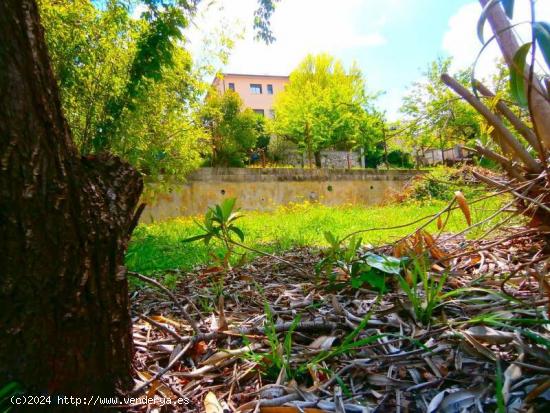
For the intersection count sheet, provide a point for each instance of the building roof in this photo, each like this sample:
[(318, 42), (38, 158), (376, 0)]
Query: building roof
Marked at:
[(247, 75), (253, 75)]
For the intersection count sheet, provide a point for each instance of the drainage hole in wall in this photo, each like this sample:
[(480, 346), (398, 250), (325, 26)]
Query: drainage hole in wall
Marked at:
[(329, 188), (222, 191)]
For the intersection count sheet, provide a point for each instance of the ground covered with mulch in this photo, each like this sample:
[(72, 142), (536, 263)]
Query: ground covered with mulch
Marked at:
[(277, 337)]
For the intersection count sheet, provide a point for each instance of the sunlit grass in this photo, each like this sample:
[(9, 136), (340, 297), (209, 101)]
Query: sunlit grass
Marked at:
[(159, 246)]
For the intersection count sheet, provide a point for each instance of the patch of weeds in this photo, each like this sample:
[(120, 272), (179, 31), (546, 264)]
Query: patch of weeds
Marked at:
[(279, 355), (171, 280), (348, 344), (345, 260), (205, 304), (441, 182), (425, 293), (423, 290)]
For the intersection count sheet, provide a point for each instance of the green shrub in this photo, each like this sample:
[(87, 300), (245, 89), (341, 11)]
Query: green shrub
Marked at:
[(400, 159), (441, 182)]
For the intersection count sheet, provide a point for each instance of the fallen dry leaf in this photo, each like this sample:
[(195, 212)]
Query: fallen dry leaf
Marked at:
[(211, 404), (464, 207)]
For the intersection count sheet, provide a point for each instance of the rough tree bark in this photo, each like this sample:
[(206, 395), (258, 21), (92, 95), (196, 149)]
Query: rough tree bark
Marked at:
[(65, 221)]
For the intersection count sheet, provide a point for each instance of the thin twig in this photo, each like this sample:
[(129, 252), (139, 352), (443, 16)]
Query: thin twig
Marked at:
[(515, 193), (164, 370), (267, 254), (161, 327), (171, 295)]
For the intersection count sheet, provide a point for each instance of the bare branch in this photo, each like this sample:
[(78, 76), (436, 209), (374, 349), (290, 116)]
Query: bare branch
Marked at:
[(493, 119), (509, 45), (496, 184), (501, 160), (516, 122), (171, 295)]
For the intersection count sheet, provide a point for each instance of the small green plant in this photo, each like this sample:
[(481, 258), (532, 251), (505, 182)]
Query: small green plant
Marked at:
[(347, 345), (361, 268), (171, 280), (279, 355), (427, 297), (219, 223), (337, 255), (6, 392)]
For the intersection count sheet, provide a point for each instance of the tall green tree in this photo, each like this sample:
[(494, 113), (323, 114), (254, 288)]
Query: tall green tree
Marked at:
[(436, 117), (127, 85), (233, 129), (324, 105)]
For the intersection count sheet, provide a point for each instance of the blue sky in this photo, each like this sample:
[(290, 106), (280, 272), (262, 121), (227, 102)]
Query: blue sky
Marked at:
[(391, 40), (413, 37)]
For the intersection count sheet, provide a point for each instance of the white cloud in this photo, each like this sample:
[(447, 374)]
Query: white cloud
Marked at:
[(461, 42), (138, 10), (300, 26)]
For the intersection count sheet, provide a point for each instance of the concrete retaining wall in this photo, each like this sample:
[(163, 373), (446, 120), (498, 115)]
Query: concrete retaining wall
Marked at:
[(265, 189)]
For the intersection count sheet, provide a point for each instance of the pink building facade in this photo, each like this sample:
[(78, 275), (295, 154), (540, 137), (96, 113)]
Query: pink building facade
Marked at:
[(257, 91)]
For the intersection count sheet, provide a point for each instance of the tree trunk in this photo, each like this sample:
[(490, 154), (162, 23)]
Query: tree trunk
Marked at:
[(442, 148), (65, 221), (309, 146), (318, 161)]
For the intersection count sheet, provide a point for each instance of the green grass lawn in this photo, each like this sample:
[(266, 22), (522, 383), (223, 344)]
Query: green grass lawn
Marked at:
[(158, 246)]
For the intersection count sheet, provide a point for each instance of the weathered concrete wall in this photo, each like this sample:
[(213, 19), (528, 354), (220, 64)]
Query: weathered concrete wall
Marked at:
[(265, 189)]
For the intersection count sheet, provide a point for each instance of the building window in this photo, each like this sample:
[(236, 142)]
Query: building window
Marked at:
[(255, 89), (259, 112), (269, 89), (232, 86)]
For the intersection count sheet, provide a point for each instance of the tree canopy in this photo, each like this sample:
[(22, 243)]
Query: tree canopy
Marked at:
[(436, 117), (324, 105), (234, 130), (127, 85)]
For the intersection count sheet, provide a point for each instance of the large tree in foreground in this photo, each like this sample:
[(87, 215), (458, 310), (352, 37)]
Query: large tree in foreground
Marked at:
[(65, 221)]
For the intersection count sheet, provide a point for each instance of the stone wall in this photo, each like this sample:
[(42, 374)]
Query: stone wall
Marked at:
[(340, 159), (329, 159), (265, 189)]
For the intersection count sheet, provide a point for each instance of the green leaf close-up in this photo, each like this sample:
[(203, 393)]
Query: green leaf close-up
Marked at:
[(518, 78)]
